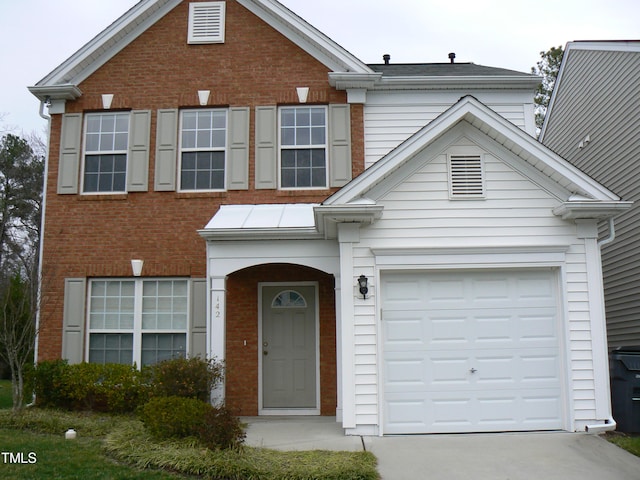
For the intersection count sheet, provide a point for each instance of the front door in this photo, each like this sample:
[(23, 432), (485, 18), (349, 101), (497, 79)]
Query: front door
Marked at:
[(289, 349)]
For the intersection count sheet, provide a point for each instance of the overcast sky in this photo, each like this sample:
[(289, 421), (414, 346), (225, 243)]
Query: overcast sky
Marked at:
[(38, 35)]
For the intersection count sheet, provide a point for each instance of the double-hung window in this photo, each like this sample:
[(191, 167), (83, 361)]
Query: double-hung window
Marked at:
[(303, 147), (137, 321), (106, 146), (203, 149)]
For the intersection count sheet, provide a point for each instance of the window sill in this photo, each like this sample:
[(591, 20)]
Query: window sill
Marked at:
[(183, 194), (101, 197)]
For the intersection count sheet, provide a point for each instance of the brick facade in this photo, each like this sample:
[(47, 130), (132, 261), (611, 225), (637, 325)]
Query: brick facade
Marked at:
[(98, 235)]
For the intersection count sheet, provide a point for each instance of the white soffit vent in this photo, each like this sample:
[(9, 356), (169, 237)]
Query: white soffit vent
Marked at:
[(206, 22), (466, 179)]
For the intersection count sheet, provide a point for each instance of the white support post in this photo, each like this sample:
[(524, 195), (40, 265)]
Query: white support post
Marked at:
[(217, 337)]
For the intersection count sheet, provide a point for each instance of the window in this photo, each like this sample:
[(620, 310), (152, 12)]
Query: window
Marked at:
[(106, 145), (206, 22), (289, 299), (466, 179), (137, 321), (203, 149), (303, 147)]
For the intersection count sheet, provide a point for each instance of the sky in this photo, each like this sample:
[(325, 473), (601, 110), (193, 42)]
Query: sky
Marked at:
[(38, 35)]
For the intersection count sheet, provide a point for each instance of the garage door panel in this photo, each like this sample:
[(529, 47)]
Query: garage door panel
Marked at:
[(483, 356)]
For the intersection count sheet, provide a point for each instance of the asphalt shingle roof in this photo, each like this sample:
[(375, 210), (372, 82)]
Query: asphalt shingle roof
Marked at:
[(441, 70)]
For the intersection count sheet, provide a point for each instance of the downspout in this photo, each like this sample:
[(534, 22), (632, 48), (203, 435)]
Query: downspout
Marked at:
[(609, 424), (45, 176)]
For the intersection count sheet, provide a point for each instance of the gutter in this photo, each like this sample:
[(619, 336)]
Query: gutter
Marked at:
[(608, 426)]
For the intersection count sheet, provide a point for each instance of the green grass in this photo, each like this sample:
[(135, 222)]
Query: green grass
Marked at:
[(6, 400), (630, 443), (118, 447)]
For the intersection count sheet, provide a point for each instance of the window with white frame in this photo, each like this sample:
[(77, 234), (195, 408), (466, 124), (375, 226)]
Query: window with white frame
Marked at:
[(303, 147), (141, 321), (106, 144), (203, 143)]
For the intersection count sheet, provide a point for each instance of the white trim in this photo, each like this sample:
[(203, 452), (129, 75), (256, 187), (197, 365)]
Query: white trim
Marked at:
[(289, 411)]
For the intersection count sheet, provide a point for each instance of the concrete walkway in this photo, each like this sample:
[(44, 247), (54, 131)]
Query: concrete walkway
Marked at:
[(499, 456)]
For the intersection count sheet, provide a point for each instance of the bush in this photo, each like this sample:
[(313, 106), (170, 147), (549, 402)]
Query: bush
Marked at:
[(173, 417), (184, 377), (112, 388), (221, 430), (180, 417)]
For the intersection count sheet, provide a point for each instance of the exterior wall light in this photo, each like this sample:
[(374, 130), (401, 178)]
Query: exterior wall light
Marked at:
[(362, 282)]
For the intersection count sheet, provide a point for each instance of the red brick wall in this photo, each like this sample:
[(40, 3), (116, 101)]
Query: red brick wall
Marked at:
[(97, 236), (242, 324)]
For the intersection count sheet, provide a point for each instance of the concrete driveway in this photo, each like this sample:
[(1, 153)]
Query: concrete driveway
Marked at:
[(499, 456)]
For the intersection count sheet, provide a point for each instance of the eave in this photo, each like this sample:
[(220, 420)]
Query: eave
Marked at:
[(591, 209)]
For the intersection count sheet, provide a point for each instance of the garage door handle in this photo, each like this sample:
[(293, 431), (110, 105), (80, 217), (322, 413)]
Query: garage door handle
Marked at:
[(473, 370)]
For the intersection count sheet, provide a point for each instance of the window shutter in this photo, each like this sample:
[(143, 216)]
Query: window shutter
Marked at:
[(166, 150), (73, 319), (198, 330), (339, 145), (266, 148), (238, 151), (206, 22), (466, 178), (138, 162), (69, 166)]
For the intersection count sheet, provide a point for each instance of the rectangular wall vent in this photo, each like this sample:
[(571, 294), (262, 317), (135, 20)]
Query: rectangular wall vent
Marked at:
[(206, 22), (466, 178)]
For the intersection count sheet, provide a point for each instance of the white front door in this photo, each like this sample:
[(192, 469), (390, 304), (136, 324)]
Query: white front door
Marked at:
[(473, 351), (289, 349)]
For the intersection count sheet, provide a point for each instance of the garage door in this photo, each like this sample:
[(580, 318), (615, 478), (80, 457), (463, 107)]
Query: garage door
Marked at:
[(473, 351)]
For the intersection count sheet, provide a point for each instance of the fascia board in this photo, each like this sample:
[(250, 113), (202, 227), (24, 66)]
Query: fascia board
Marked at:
[(592, 210), (248, 234), (108, 43), (306, 36)]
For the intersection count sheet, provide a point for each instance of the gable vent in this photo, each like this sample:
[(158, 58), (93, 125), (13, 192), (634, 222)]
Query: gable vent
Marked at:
[(206, 22), (465, 176)]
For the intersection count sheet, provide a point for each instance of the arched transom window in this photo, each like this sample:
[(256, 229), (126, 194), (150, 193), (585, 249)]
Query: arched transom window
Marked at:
[(289, 299)]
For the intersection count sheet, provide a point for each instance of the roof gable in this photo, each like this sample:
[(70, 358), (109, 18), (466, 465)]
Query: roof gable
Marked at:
[(533, 155), (62, 82)]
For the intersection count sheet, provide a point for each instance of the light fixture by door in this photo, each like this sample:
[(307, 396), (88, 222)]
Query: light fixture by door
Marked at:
[(362, 282)]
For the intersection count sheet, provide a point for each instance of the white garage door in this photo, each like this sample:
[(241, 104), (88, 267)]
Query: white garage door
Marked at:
[(473, 351)]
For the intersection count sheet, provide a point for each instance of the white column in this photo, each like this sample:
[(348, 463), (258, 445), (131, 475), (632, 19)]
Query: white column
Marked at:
[(588, 230), (338, 296), (217, 328), (348, 234)]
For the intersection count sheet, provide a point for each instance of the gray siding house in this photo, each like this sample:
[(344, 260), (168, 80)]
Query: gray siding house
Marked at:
[(593, 121)]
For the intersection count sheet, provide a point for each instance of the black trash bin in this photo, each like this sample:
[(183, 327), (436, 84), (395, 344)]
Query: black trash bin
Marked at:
[(624, 368)]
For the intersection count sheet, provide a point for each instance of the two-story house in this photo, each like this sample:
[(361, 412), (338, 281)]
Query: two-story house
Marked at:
[(384, 243)]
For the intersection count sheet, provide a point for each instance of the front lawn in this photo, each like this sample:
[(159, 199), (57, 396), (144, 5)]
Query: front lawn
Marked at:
[(118, 447), (631, 443), (6, 400)]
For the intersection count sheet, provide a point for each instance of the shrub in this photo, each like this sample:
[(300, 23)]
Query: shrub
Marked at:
[(221, 430), (48, 379), (184, 377), (112, 388), (173, 417), (180, 417)]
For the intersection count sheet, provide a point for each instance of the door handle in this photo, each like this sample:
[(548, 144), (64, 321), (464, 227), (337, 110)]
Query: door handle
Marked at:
[(264, 352), (473, 370)]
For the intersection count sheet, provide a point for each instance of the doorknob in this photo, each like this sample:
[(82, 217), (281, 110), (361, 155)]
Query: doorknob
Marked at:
[(473, 370), (264, 352)]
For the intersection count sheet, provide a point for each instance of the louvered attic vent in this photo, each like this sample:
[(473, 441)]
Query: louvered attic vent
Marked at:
[(465, 176), (206, 22)]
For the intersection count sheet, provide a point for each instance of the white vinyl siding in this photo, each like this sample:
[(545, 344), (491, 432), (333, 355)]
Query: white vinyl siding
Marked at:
[(515, 216), (206, 22), (390, 118)]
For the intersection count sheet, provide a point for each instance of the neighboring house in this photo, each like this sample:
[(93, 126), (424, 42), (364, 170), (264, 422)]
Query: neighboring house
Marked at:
[(593, 121), (260, 175)]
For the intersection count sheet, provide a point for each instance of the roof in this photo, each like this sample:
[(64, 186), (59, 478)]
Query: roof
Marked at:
[(442, 69)]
